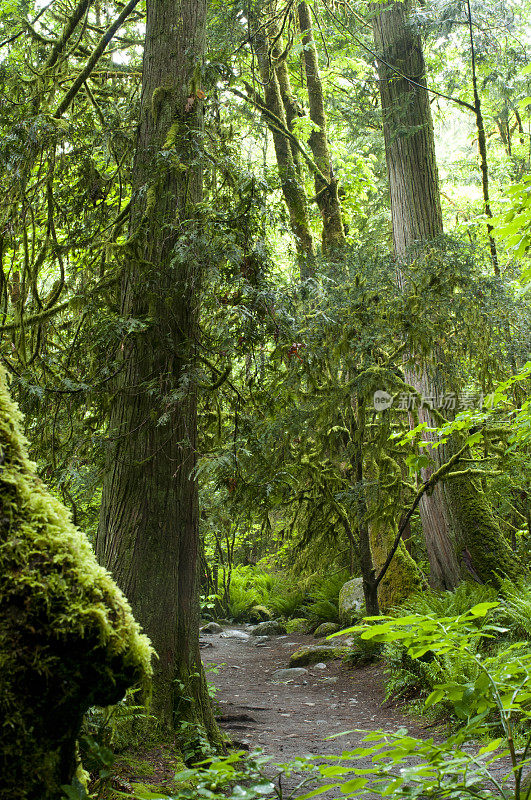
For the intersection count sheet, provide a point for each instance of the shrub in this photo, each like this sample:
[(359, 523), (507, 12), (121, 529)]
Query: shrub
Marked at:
[(323, 605), (515, 609), (249, 586), (408, 678)]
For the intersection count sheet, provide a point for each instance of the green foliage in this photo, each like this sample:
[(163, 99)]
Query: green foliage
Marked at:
[(515, 610), (448, 604), (248, 587), (499, 688), (416, 677), (116, 727), (324, 600), (514, 227), (315, 597), (243, 777), (286, 600)]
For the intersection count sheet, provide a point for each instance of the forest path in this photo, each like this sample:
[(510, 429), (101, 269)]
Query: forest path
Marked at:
[(290, 719)]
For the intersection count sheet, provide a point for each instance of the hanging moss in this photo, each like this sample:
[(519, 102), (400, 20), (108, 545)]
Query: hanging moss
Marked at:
[(68, 639)]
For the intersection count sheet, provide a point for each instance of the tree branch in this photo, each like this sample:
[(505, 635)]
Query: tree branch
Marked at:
[(94, 58)]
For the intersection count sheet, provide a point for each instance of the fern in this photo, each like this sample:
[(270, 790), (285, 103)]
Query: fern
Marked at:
[(516, 608)]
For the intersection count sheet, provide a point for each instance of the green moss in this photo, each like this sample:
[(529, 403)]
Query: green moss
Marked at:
[(480, 544), (171, 136), (402, 577), (299, 625), (68, 639), (137, 766), (313, 654), (160, 94)]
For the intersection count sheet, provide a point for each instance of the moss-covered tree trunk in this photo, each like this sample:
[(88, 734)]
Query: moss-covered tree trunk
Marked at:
[(462, 537), (290, 179), (291, 108), (148, 532), (68, 639), (402, 577), (326, 193)]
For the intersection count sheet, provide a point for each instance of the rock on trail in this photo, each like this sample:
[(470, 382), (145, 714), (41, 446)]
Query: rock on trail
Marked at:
[(293, 711)]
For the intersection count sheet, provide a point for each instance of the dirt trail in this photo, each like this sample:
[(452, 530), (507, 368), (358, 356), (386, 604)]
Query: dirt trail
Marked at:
[(289, 719)]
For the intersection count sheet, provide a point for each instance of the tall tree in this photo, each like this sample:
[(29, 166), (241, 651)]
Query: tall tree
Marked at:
[(290, 178), (327, 196), (462, 536), (148, 532)]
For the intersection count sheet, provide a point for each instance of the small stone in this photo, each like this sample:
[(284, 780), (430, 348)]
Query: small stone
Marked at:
[(328, 680), (270, 628), (234, 634), (203, 644), (211, 627), (289, 674), (260, 641), (320, 665)]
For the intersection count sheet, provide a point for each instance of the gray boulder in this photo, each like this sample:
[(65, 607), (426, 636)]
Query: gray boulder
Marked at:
[(351, 602), (270, 628), (289, 674), (234, 634), (212, 627), (325, 629), (313, 654)]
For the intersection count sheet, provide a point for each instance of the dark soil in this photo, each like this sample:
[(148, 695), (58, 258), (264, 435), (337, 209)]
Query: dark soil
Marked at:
[(286, 719)]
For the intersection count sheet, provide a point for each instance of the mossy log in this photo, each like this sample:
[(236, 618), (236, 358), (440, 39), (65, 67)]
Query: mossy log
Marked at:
[(68, 639)]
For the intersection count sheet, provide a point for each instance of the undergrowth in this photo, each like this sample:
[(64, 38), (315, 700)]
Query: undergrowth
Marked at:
[(413, 679), (315, 597)]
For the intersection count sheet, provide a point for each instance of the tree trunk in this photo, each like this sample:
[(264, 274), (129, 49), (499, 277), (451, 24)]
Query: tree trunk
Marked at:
[(68, 639), (290, 181), (327, 194), (291, 109), (148, 532), (462, 537)]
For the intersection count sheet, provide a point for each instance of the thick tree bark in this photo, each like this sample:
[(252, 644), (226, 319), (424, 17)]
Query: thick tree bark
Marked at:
[(326, 193), (462, 537), (408, 130), (148, 532), (292, 188)]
